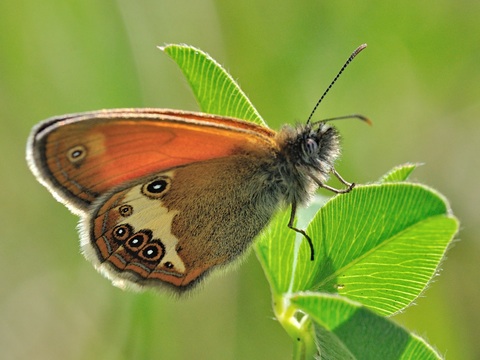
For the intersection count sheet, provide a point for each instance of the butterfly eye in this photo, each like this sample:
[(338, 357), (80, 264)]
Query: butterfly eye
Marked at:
[(122, 232), (156, 188), (152, 252), (311, 146), (77, 154), (125, 210)]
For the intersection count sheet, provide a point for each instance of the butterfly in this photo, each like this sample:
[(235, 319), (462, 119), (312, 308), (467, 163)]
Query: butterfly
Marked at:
[(167, 196)]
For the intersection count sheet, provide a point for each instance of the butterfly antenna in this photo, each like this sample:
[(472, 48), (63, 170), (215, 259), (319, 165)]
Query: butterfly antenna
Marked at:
[(355, 53)]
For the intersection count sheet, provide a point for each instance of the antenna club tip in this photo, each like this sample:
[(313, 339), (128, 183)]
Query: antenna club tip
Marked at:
[(358, 49), (365, 119)]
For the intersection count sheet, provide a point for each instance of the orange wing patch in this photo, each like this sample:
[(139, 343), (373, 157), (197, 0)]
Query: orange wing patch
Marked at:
[(97, 151)]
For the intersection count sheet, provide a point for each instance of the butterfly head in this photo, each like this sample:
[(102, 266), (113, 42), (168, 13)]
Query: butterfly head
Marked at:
[(319, 146), (311, 149)]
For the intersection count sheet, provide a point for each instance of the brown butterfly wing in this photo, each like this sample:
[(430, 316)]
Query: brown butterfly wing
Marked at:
[(172, 228), (81, 156), (165, 196)]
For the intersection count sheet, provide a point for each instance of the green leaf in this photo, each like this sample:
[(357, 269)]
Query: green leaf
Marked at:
[(347, 330), (399, 173), (214, 88), (277, 251), (379, 245)]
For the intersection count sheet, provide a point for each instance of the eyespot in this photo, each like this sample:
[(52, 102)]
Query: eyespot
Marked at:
[(138, 240), (122, 232), (168, 265), (155, 189), (77, 154), (125, 210), (152, 252)]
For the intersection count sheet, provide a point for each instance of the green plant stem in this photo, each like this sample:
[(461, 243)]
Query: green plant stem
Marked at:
[(298, 326)]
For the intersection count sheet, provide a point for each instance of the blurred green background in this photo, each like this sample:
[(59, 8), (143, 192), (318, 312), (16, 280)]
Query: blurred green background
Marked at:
[(418, 81)]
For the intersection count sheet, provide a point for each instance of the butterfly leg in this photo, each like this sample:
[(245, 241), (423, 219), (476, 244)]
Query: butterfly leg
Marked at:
[(349, 186), (300, 231)]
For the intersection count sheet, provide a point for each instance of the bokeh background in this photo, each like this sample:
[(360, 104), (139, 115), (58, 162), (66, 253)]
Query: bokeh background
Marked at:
[(418, 81)]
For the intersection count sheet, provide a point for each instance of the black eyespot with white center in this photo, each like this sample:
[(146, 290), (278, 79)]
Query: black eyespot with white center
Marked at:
[(122, 232), (156, 188), (138, 240), (76, 154), (125, 210), (152, 252)]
